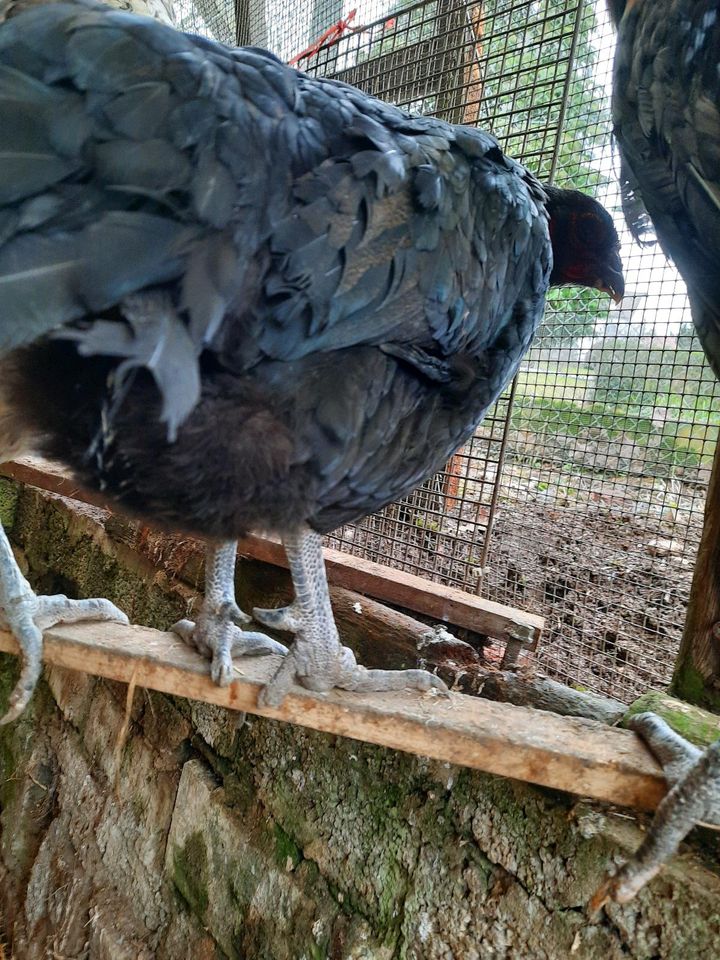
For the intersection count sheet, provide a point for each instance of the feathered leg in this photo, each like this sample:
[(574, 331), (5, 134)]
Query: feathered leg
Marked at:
[(317, 659), (26, 615), (218, 632), (694, 798)]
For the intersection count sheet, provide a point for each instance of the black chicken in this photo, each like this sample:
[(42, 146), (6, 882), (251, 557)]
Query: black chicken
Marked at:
[(233, 297), (666, 119)]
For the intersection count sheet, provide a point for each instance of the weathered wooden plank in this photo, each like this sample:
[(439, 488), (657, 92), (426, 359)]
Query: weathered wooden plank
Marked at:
[(52, 477), (354, 573), (407, 590), (578, 756)]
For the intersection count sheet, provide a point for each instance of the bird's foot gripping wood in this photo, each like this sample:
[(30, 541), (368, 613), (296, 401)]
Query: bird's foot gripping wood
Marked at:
[(218, 632), (317, 659), (694, 777), (26, 616)]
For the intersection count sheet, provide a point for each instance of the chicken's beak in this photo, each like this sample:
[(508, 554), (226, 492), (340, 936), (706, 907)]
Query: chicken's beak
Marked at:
[(612, 281)]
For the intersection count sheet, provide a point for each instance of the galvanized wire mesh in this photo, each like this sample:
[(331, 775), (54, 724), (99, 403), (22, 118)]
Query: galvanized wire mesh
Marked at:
[(581, 495)]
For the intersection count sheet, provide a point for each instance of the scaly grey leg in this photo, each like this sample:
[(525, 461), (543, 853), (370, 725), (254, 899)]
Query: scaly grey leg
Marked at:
[(217, 632), (26, 615), (317, 659), (694, 776)]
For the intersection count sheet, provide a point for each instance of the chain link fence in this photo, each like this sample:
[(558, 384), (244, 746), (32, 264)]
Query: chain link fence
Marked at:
[(581, 495)]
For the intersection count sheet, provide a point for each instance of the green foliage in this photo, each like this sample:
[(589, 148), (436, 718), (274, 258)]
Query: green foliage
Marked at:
[(665, 430), (417, 24), (526, 88), (522, 59), (641, 371), (531, 127), (570, 314)]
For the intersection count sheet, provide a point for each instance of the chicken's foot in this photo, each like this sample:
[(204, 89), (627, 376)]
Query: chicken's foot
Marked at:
[(694, 798), (27, 615), (217, 633), (317, 659)]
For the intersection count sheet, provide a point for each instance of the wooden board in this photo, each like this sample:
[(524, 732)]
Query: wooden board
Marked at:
[(52, 477), (405, 590), (579, 756)]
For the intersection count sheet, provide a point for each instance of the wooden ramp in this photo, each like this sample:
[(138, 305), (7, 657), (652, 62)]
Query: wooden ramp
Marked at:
[(579, 756)]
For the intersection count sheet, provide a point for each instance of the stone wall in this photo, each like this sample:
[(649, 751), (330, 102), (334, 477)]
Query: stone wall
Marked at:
[(191, 832)]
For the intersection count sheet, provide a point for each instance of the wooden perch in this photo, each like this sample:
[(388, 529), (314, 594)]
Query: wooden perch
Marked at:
[(545, 694), (579, 756)]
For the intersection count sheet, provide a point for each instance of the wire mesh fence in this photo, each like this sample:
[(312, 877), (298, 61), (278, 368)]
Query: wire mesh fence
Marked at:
[(580, 497)]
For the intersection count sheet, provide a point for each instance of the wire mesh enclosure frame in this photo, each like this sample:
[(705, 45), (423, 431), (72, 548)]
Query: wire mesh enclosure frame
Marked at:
[(580, 497)]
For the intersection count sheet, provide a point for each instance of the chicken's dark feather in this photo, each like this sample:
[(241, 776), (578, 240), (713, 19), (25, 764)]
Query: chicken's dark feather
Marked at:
[(350, 287), (666, 117), (666, 112)]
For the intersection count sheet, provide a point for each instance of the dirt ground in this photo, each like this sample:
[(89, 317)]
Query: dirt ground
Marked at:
[(607, 560), (611, 576)]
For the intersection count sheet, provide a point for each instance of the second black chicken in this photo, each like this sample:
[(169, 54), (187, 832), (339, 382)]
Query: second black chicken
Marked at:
[(666, 121)]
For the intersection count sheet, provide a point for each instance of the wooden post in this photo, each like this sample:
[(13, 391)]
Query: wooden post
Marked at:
[(473, 75), (697, 670)]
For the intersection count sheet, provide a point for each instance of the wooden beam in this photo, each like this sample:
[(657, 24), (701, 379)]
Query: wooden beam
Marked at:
[(405, 590), (473, 77), (508, 686), (578, 756), (52, 477), (408, 591), (697, 668)]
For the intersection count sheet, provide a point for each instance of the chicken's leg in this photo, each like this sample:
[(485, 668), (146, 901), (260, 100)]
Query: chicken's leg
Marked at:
[(694, 798), (317, 660), (26, 615), (218, 632)]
